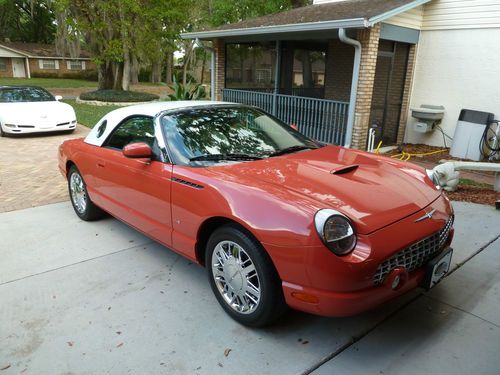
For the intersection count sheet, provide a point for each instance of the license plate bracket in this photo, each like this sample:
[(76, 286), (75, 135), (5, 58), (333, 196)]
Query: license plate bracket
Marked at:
[(437, 268)]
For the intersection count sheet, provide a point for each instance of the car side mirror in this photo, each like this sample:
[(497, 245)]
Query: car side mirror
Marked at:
[(58, 97), (138, 150)]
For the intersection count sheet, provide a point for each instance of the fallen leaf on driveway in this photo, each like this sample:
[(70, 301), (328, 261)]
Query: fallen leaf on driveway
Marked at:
[(119, 345), (220, 364), (5, 367), (305, 342), (227, 351), (70, 343), (118, 332)]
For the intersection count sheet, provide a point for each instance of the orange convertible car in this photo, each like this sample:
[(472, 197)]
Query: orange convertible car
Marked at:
[(277, 219)]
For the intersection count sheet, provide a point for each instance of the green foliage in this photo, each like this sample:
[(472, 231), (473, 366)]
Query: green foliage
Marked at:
[(230, 11), (27, 21), (118, 96), (89, 115), (189, 91)]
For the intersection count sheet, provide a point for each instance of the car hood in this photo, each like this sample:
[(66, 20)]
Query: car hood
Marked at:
[(372, 190), (31, 112)]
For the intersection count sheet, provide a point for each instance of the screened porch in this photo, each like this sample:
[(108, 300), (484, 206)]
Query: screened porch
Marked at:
[(290, 80)]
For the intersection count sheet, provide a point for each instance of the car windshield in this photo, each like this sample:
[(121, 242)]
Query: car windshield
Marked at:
[(201, 136), (24, 94)]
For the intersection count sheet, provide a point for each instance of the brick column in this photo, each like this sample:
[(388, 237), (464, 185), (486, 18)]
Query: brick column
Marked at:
[(369, 39), (220, 66), (410, 69)]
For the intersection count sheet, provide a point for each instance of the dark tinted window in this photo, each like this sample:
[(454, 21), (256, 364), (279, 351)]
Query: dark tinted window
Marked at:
[(24, 94), (132, 130)]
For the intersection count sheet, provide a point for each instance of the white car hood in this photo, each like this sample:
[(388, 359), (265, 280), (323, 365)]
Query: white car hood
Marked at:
[(31, 113)]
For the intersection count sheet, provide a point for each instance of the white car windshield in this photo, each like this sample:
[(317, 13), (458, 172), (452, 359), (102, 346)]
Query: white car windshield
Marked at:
[(24, 94)]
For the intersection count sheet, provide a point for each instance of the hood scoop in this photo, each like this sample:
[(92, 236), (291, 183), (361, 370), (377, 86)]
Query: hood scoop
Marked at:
[(344, 170)]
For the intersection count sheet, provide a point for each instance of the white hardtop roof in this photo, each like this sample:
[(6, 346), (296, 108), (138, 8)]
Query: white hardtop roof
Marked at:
[(113, 118)]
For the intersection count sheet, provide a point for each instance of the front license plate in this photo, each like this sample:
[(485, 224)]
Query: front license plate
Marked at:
[(437, 268)]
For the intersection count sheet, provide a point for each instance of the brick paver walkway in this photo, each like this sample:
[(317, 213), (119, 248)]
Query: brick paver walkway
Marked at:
[(29, 175)]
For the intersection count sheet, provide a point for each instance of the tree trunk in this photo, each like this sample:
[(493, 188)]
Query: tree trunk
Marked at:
[(156, 71), (126, 71), (170, 68), (105, 76), (134, 71), (118, 76)]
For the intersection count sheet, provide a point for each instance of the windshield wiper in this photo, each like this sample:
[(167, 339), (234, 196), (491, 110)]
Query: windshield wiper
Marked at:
[(217, 157), (291, 149)]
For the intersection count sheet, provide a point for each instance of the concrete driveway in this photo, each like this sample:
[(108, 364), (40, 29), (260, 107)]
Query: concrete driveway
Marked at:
[(28, 170), (99, 298)]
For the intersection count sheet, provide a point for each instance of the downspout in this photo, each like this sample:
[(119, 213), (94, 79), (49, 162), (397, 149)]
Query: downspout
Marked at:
[(354, 86), (212, 66)]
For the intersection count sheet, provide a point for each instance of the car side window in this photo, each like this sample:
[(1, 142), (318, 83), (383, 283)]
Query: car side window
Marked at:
[(132, 130)]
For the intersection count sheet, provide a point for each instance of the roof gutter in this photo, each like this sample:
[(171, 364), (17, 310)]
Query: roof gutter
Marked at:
[(278, 29), (212, 66), (354, 85)]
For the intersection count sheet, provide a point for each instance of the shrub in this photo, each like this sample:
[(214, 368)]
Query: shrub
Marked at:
[(189, 91), (118, 96)]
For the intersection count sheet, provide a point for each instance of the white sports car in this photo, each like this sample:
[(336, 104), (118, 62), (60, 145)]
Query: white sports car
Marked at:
[(29, 109)]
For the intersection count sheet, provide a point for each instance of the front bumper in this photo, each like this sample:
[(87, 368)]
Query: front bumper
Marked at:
[(341, 286), (26, 129)]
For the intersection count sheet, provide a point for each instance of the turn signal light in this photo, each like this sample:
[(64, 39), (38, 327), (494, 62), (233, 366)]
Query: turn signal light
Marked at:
[(304, 297)]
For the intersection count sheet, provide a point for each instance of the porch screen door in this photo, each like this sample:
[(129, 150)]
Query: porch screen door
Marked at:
[(388, 90)]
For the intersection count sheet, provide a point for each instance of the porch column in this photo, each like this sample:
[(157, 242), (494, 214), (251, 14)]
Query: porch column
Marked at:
[(28, 72), (277, 76), (220, 67), (410, 70), (369, 39)]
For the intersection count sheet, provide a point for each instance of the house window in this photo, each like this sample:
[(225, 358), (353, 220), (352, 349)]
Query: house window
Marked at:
[(250, 66), (75, 65), (48, 64), (3, 64)]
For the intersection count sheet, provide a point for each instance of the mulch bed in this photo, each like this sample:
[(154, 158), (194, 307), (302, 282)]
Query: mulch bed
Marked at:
[(465, 193), (474, 194)]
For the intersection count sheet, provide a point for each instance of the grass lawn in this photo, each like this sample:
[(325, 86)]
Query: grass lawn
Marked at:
[(88, 115), (48, 83)]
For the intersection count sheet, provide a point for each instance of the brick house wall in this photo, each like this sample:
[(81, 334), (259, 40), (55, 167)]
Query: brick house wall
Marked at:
[(7, 73), (220, 66), (339, 67), (63, 70), (369, 39)]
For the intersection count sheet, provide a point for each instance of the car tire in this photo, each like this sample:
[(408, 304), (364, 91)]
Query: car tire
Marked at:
[(246, 284), (83, 206), (2, 134)]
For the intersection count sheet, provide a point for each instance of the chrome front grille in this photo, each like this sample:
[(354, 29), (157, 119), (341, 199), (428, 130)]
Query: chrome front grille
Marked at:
[(416, 255)]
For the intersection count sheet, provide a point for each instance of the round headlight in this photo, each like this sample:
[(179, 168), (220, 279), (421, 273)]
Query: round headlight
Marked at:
[(336, 231)]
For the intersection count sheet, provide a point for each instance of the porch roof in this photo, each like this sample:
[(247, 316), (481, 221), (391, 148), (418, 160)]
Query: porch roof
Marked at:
[(37, 50), (317, 17)]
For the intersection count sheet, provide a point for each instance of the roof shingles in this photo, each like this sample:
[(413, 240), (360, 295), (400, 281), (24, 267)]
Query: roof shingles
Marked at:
[(342, 10), (39, 50)]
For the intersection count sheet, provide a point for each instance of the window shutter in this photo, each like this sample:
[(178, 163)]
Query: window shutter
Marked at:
[(40, 64), (83, 64), (57, 64), (68, 65)]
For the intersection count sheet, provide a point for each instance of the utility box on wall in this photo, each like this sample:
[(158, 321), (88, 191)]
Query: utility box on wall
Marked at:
[(468, 133), (428, 117)]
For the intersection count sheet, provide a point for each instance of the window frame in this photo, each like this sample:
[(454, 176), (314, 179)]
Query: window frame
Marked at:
[(3, 64), (161, 156), (42, 62)]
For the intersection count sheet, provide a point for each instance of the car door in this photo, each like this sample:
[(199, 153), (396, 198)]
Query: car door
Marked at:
[(136, 191)]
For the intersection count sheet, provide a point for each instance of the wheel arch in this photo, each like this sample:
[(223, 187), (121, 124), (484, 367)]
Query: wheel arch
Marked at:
[(208, 227), (69, 164)]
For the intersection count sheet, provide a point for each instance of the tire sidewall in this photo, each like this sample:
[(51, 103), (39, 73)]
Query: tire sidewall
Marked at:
[(261, 261)]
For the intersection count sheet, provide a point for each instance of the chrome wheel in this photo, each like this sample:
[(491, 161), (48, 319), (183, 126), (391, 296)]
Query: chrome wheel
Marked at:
[(235, 276), (78, 195)]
